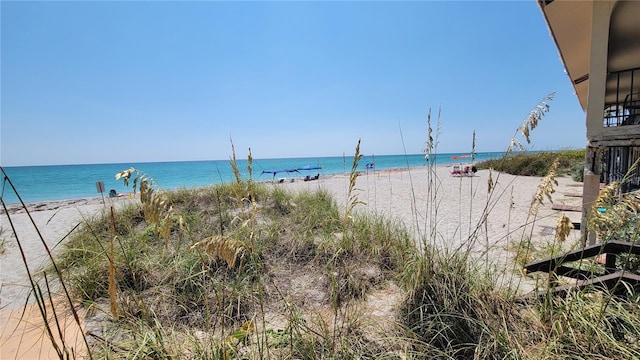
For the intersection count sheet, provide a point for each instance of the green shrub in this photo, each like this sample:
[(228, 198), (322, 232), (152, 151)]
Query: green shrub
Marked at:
[(578, 172), (536, 164)]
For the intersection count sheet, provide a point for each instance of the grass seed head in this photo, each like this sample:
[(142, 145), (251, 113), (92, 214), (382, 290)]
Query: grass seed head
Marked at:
[(563, 228)]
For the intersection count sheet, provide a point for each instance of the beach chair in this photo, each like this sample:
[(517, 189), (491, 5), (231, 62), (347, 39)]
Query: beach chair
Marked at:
[(466, 170)]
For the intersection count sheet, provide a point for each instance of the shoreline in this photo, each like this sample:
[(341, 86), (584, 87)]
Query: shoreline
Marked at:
[(257, 178)]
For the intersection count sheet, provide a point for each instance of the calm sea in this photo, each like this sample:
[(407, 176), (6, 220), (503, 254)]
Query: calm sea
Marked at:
[(61, 182)]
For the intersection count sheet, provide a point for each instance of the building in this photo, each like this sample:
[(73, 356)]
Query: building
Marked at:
[(599, 45)]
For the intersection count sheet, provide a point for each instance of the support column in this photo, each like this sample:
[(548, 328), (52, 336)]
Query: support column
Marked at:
[(590, 190), (595, 108)]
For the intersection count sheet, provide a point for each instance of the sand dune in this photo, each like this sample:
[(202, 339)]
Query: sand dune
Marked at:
[(424, 199)]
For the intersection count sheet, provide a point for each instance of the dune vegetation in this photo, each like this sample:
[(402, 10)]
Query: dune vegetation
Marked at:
[(569, 162), (250, 271)]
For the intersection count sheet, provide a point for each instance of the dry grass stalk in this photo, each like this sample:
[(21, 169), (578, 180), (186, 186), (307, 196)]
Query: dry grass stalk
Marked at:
[(631, 172), (155, 205), (490, 182), (112, 289), (530, 123), (219, 247), (352, 192), (431, 143), (563, 228), (431, 212), (545, 189), (234, 164)]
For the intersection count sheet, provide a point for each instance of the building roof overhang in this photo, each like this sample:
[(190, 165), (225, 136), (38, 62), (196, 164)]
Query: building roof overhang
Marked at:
[(569, 22)]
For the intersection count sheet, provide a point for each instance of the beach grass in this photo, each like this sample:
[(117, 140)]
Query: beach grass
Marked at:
[(251, 270), (538, 163)]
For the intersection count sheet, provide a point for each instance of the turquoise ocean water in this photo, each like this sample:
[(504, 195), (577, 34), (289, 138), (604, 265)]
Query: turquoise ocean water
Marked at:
[(61, 182)]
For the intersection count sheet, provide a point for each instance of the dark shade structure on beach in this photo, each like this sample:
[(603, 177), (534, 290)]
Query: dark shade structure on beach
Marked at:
[(274, 172), (309, 167), (306, 167)]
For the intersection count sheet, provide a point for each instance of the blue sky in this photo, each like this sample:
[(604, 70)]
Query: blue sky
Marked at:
[(102, 82)]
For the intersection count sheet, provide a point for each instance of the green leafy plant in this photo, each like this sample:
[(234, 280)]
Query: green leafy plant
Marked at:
[(578, 172)]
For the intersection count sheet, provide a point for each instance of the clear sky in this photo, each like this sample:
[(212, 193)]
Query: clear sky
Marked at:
[(102, 82)]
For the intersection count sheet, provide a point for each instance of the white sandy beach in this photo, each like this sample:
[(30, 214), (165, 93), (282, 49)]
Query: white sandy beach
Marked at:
[(54, 221), (402, 195), (21, 335), (456, 203)]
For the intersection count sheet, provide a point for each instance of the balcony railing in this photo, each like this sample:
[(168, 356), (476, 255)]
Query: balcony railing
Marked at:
[(622, 102)]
